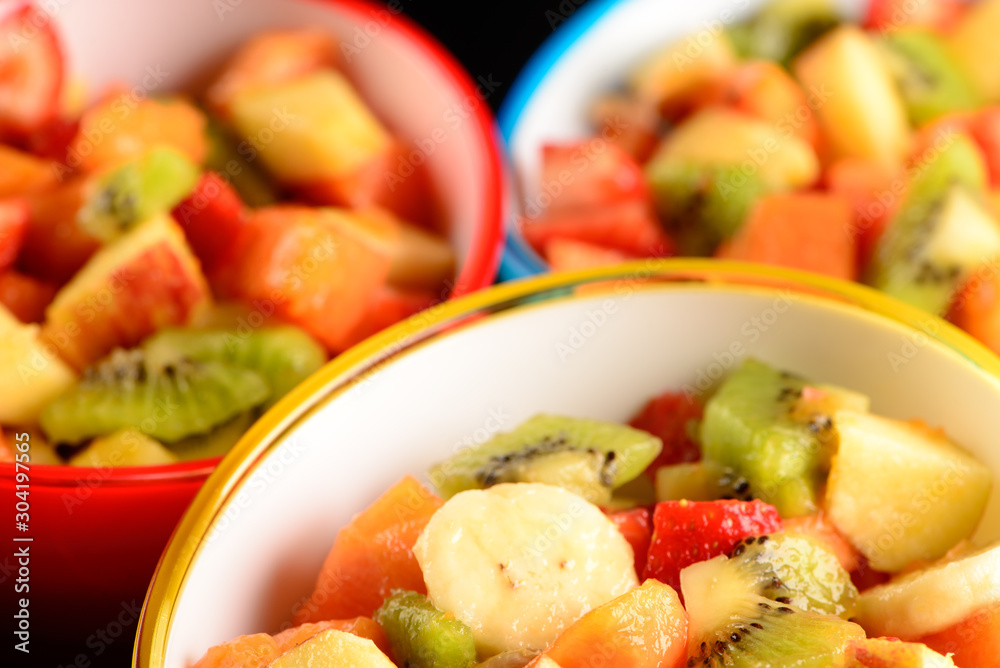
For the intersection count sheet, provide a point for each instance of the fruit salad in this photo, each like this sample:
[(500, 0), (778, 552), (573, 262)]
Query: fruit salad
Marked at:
[(172, 264), (777, 522), (867, 151)]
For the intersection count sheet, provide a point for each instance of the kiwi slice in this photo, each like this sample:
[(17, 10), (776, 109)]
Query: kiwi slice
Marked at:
[(796, 569), (283, 356), (232, 159), (732, 625), (136, 191), (215, 443), (782, 29), (774, 430), (704, 204), (941, 233), (421, 636), (698, 481), (588, 457), (931, 83), (166, 403)]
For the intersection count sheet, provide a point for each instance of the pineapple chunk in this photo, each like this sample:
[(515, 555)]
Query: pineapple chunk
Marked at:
[(31, 374), (333, 648), (127, 447), (902, 492)]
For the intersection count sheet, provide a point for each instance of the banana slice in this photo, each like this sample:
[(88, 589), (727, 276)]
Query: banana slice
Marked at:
[(932, 599), (520, 562)]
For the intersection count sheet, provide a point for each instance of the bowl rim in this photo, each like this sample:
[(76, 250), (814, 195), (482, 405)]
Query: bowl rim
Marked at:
[(478, 270), (519, 259), (370, 356)]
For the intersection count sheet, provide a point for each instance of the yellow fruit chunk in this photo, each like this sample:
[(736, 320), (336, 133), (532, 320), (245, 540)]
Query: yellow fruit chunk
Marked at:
[(334, 648), (127, 447), (976, 47), (31, 373)]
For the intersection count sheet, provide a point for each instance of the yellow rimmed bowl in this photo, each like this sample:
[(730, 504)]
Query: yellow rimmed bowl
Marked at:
[(591, 344)]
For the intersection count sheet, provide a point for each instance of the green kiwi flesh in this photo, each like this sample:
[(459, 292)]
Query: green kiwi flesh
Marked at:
[(215, 443), (588, 457), (732, 625), (167, 404), (782, 29), (226, 158), (421, 636)]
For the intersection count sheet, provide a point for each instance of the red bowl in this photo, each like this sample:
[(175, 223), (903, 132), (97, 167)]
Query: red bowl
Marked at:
[(96, 534)]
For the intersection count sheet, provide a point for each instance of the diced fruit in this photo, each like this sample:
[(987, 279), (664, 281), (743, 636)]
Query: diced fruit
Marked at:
[(765, 426), (685, 532), (886, 653), (282, 355), (387, 306), (889, 15), (518, 658), (976, 307), (974, 642), (333, 648), (31, 374), (317, 124), (31, 70), (934, 498), (216, 442), (126, 447), (136, 191), (213, 218), (270, 58), (807, 231), (318, 268), (699, 482), (670, 78), (145, 280), (422, 636), (373, 555), (14, 216), (22, 173), (765, 90), (568, 255), (120, 129), (125, 391), (934, 599), (630, 124), (239, 169), (39, 450), (931, 82), (25, 297), (51, 141), (672, 417), (587, 457), (985, 128), (363, 627), (732, 625), (973, 43), (941, 233), (859, 109), (817, 527), (420, 260), (579, 175), (799, 570), (628, 227), (515, 562), (643, 628), (636, 525), (718, 137), (783, 28), (872, 191), (56, 246), (251, 651)]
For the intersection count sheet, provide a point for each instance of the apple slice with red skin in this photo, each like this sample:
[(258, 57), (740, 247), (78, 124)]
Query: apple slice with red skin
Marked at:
[(143, 281), (31, 69)]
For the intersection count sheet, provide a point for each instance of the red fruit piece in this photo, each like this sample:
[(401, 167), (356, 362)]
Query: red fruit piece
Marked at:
[(873, 193), (373, 555), (252, 651), (387, 306), (56, 247), (630, 227), (686, 532), (589, 173), (13, 230), (985, 128), (24, 296), (212, 218), (975, 642), (31, 70), (668, 417), (637, 526), (865, 577), (807, 231), (889, 15)]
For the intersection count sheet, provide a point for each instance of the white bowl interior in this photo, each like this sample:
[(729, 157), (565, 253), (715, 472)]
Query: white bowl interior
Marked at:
[(169, 45), (599, 356), (598, 61)]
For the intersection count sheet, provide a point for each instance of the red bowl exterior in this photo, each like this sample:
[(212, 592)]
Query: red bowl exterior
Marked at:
[(97, 534)]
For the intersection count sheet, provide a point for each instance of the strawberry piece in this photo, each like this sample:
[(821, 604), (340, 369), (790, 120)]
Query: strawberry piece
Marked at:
[(588, 174), (630, 227), (889, 15), (636, 526), (25, 296), (667, 417), (865, 577), (213, 219), (31, 71), (686, 532), (13, 230)]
